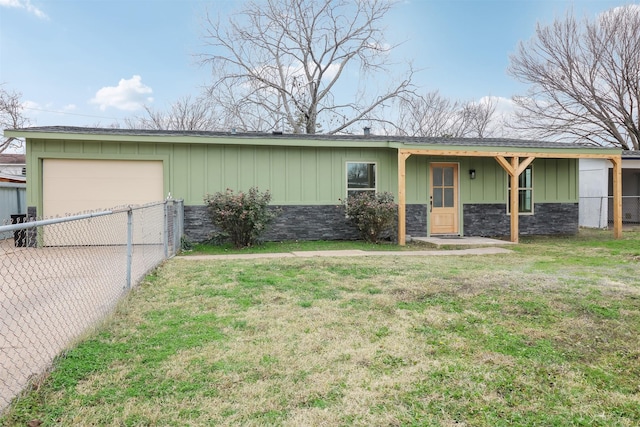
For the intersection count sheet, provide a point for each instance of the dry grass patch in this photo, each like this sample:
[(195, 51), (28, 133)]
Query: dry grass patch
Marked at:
[(482, 341)]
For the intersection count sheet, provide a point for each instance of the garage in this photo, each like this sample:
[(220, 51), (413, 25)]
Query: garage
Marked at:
[(72, 186), (77, 186)]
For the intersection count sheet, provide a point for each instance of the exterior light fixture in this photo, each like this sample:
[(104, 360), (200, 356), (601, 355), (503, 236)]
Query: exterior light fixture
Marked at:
[(472, 173)]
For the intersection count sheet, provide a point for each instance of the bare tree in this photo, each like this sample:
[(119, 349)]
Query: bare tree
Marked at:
[(479, 118), (278, 64), (428, 115), (184, 114), (437, 116), (585, 79), (11, 117)]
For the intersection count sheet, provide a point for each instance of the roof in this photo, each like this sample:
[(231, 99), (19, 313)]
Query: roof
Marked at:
[(12, 159), (276, 138), (12, 178), (630, 154)]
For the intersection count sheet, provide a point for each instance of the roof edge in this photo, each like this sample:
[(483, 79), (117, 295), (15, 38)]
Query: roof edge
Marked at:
[(313, 140)]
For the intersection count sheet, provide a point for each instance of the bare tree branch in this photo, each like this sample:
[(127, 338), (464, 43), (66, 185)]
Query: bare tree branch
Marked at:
[(184, 114), (434, 115), (585, 80), (11, 117), (278, 64)]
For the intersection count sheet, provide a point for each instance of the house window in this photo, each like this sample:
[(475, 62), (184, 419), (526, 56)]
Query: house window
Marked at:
[(525, 192), (361, 176)]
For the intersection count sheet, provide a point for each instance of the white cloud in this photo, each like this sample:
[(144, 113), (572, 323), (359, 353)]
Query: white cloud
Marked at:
[(31, 105), (24, 4), (332, 71), (129, 95), (504, 106), (37, 108)]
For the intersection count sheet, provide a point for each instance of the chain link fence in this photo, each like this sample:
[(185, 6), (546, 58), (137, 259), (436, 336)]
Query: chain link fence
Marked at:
[(61, 276), (597, 212)]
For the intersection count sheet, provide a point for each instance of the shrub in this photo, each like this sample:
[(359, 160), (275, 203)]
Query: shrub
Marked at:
[(186, 244), (241, 217), (372, 213)]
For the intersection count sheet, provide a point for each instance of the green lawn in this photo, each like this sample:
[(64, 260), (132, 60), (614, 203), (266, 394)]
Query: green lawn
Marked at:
[(545, 336)]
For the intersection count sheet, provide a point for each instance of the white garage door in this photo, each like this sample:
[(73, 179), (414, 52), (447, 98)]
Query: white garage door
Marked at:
[(72, 186), (77, 186)]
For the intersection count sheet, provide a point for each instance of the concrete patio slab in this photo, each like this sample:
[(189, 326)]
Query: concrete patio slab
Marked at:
[(455, 241)]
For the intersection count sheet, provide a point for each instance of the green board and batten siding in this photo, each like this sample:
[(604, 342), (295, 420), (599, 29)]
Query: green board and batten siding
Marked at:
[(295, 175), (301, 175), (554, 181)]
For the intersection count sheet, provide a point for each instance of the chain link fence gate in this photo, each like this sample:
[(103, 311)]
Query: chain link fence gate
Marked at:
[(61, 276)]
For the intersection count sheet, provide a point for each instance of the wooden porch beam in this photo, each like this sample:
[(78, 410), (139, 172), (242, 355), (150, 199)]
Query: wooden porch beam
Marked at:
[(402, 196), (505, 165), (524, 164), (495, 154)]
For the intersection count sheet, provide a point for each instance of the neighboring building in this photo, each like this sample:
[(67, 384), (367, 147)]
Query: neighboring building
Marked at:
[(444, 186), (596, 191), (12, 187), (12, 164)]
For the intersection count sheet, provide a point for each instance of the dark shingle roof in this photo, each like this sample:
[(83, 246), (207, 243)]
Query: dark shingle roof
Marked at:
[(12, 159), (479, 142)]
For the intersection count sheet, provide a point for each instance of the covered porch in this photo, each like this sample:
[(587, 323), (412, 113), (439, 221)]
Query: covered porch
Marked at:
[(513, 160)]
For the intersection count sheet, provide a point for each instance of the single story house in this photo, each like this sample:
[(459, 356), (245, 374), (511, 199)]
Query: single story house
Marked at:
[(12, 164), (596, 191), (12, 187), (443, 186), (12, 199)]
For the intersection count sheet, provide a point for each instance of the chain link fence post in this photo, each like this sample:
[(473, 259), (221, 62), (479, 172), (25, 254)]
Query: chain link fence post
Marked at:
[(165, 222), (129, 246)]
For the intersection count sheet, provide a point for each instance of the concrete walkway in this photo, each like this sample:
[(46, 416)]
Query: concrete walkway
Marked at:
[(456, 246), (351, 253)]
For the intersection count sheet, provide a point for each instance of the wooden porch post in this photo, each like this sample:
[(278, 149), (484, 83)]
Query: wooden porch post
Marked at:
[(514, 169), (617, 196), (513, 202), (402, 197)]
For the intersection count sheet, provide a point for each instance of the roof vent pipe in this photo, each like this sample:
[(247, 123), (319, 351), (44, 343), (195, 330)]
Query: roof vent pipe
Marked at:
[(367, 131)]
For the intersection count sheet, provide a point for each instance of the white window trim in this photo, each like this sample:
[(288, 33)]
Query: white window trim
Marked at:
[(346, 176)]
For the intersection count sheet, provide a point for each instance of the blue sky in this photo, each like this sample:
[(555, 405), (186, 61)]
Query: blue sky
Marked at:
[(94, 62)]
